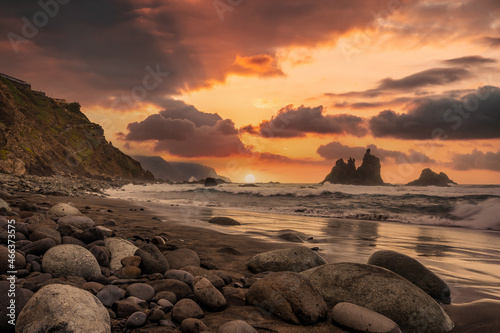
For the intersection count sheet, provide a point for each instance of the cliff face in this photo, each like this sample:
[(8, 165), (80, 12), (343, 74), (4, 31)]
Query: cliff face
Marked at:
[(346, 173), (430, 178), (42, 136)]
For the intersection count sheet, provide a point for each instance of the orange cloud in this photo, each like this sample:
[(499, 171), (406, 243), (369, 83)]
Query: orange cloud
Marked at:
[(261, 65)]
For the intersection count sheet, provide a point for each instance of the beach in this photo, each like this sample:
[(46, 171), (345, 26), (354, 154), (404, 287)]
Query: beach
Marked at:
[(473, 299)]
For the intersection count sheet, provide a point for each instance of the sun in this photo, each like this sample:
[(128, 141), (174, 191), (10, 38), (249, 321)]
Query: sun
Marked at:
[(249, 179)]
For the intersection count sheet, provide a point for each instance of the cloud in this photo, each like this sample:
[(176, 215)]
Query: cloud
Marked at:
[(473, 116), (477, 160), (336, 150), (262, 65), (470, 61), (430, 77), (297, 122), (491, 41), (182, 130)]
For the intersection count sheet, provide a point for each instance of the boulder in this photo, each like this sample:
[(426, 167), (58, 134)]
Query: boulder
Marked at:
[(361, 319), (382, 291), (61, 308), (296, 259), (119, 248), (136, 319), (38, 221), (100, 254), (186, 308), (182, 257), (152, 260), (141, 290), (414, 272), (208, 296), (289, 296), (68, 259), (236, 326), (92, 234), (22, 296), (110, 294), (179, 288), (63, 209), (79, 222), (222, 220)]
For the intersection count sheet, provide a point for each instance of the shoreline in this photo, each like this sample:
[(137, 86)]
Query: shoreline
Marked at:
[(231, 253)]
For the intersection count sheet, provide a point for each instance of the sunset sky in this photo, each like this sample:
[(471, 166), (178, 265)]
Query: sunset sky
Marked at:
[(278, 89)]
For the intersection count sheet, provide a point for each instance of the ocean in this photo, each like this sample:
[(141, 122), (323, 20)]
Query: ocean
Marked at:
[(455, 231)]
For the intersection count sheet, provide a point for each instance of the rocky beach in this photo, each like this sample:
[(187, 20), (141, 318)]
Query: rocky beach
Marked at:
[(85, 263)]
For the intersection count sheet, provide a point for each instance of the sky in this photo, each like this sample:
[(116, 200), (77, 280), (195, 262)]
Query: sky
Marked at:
[(275, 89)]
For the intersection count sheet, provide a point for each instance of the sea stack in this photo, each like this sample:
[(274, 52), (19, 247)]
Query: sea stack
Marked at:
[(346, 173), (430, 178)]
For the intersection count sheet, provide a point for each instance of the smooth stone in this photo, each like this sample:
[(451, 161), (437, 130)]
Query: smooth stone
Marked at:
[(289, 296), (136, 320), (68, 259), (234, 296), (236, 326), (129, 272), (362, 319), (142, 303), (157, 240), (39, 221), (152, 260), (186, 308), (119, 248), (180, 275), (124, 308), (210, 275), (68, 225), (414, 272), (72, 240), (131, 261), (100, 255), (63, 209), (181, 258), (296, 259), (19, 260), (208, 296), (39, 247), (222, 220), (141, 290), (93, 287), (168, 295), (109, 294), (382, 291), (62, 308), (165, 305), (44, 232), (100, 278), (21, 297), (107, 232), (155, 315), (179, 288), (91, 235), (167, 323), (193, 325), (291, 237)]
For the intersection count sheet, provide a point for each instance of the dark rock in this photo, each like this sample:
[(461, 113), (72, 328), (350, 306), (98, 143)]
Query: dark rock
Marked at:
[(296, 259), (40, 221), (155, 315), (92, 234), (131, 261), (414, 272), (21, 297), (361, 319), (186, 308), (60, 308), (180, 275), (210, 182), (208, 296), (100, 278), (45, 232), (289, 296), (141, 290), (68, 259), (100, 254), (125, 308), (166, 305), (181, 258), (119, 248), (109, 294), (93, 287), (136, 320), (234, 296), (211, 276), (39, 247), (382, 291), (167, 323), (346, 173), (157, 240), (208, 265), (222, 220), (152, 260), (291, 237), (72, 240), (168, 295), (193, 325), (430, 178), (179, 288), (129, 272), (236, 326)]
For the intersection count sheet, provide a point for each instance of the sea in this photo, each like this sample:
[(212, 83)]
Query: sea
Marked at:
[(454, 231)]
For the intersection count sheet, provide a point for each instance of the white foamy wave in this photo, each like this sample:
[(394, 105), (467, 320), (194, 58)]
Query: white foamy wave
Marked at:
[(484, 215)]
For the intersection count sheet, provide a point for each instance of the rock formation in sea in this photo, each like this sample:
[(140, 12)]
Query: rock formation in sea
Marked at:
[(430, 178), (44, 136), (346, 173)]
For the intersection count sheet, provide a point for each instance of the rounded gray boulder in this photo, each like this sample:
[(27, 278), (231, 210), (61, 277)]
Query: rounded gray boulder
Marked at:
[(382, 291), (69, 259), (63, 308), (63, 209), (295, 259)]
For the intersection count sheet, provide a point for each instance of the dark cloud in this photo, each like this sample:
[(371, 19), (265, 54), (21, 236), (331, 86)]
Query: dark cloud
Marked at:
[(335, 150), (470, 61), (477, 160), (491, 41), (290, 123), (184, 131), (474, 116), (371, 105), (430, 77)]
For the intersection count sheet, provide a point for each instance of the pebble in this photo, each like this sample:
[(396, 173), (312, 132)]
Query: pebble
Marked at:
[(165, 305), (168, 295), (131, 261), (180, 275), (110, 294), (186, 308), (208, 296), (136, 319), (39, 247), (155, 315), (141, 290), (193, 325), (124, 308), (129, 272), (152, 260)]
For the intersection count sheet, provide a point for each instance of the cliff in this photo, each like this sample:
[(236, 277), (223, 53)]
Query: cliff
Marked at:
[(430, 178), (346, 173), (177, 171), (43, 136)]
